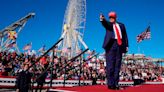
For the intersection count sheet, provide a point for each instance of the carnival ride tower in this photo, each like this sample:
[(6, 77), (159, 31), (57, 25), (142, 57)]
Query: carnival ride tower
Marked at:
[(74, 27), (9, 34)]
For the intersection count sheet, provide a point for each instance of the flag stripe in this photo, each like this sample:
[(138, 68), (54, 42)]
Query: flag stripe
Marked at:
[(144, 35), (27, 47)]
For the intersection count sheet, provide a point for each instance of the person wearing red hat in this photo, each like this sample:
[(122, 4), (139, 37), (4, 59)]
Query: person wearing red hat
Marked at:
[(115, 44)]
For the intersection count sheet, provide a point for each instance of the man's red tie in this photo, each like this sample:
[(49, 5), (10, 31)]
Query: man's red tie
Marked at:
[(119, 41)]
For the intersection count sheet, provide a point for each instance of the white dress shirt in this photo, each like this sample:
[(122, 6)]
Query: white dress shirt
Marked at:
[(119, 30)]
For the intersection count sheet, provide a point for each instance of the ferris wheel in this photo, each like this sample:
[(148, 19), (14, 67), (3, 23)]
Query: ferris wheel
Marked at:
[(74, 27)]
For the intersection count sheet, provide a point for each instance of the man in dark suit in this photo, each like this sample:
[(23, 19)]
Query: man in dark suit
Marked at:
[(115, 44), (23, 80)]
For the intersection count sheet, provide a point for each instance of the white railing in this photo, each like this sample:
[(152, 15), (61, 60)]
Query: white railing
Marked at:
[(10, 82)]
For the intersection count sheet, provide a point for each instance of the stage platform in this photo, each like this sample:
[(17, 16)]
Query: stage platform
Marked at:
[(103, 88)]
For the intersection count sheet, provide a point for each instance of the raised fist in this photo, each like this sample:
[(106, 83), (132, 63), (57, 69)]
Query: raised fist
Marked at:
[(102, 17)]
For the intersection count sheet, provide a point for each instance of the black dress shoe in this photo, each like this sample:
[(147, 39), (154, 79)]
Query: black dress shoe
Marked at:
[(111, 87), (117, 88)]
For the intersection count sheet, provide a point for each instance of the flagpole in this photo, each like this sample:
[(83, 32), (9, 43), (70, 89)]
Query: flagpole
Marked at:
[(138, 47)]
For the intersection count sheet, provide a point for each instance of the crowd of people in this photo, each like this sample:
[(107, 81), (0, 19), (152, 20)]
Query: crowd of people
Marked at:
[(147, 71), (11, 63)]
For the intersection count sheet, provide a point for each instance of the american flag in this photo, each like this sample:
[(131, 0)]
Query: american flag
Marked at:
[(11, 45), (42, 49), (144, 35), (66, 50), (27, 46)]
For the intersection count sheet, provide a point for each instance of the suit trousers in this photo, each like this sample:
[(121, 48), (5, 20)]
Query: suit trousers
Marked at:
[(113, 64)]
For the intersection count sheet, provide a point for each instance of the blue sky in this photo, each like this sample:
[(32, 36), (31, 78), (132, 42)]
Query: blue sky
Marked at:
[(46, 26)]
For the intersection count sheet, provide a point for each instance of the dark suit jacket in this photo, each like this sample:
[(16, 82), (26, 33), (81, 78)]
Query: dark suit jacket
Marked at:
[(110, 36), (23, 81)]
